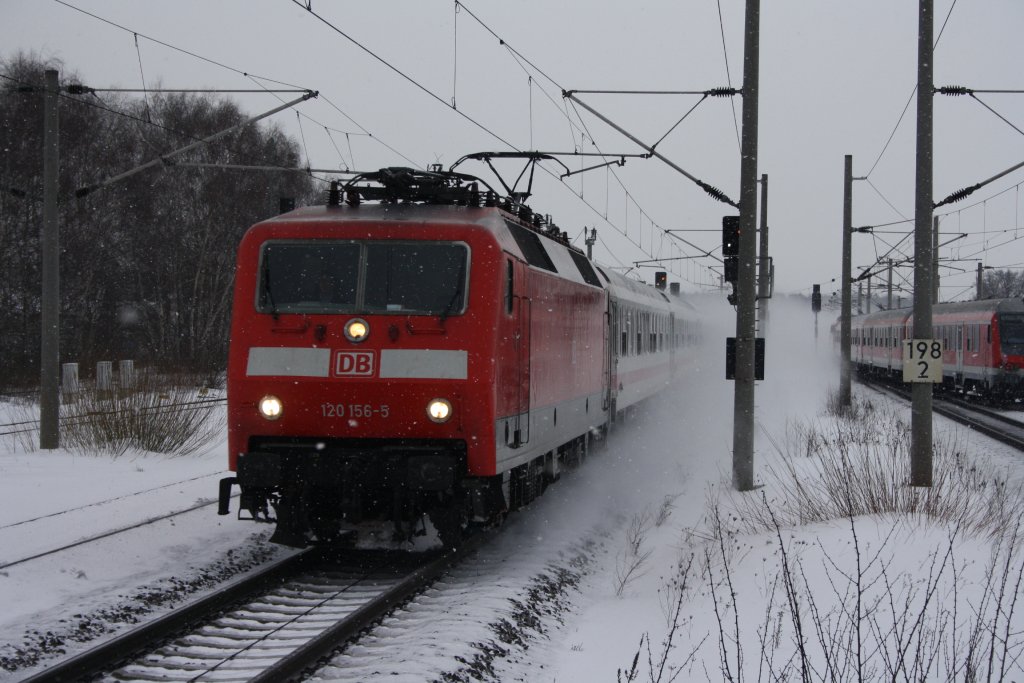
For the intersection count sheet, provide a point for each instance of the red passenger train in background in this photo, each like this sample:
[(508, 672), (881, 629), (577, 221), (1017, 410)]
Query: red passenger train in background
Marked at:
[(982, 342), (420, 346)]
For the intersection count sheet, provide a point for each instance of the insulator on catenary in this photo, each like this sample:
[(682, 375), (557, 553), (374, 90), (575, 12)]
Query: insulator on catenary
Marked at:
[(715, 193), (958, 195), (954, 90), (721, 92)]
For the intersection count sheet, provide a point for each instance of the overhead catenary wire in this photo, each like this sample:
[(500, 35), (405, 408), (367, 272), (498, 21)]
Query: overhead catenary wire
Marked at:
[(886, 199), (909, 99), (174, 47), (958, 90), (728, 73), (712, 191), (26, 86), (88, 189), (1000, 116), (79, 89), (400, 73), (255, 78), (430, 93), (520, 59), (142, 74), (455, 52), (965, 192)]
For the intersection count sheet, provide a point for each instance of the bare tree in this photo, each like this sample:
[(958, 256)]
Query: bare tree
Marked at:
[(147, 263), (1002, 284)]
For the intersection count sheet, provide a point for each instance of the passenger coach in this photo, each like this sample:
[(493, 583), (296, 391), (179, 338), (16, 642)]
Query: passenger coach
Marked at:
[(982, 342)]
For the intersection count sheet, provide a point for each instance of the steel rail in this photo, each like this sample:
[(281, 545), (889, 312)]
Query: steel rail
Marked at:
[(998, 427), (292, 667), (92, 662), (134, 645)]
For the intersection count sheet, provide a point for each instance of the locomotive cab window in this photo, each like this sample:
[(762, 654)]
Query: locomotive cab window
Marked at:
[(1011, 333), (325, 276), (416, 277), (308, 277)]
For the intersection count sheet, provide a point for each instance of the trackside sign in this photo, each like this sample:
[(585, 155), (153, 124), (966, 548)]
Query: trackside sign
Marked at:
[(922, 360)]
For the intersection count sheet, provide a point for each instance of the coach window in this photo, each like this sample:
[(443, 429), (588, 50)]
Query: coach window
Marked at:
[(626, 333)]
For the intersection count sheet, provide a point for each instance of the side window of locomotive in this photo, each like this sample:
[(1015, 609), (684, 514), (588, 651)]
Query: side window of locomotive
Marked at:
[(308, 277), (420, 277), (509, 285)]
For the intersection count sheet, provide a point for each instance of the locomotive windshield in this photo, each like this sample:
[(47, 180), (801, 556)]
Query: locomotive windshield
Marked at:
[(322, 276), (1011, 333)]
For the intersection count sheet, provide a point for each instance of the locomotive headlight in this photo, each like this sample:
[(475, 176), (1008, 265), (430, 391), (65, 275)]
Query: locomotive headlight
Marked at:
[(270, 407), (439, 410), (356, 330)]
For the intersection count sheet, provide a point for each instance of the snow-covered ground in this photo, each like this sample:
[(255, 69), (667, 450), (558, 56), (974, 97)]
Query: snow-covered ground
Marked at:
[(630, 534)]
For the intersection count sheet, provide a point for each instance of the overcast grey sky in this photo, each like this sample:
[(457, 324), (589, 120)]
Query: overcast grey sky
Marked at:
[(835, 77)]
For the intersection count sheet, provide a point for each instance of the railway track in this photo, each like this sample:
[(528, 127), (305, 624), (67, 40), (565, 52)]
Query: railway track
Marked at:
[(269, 626), (979, 418)]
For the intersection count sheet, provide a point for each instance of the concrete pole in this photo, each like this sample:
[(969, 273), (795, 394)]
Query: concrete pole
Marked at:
[(888, 301), (49, 357), (746, 287), (868, 307), (763, 270), (921, 407), (935, 260), (845, 395), (981, 284), (860, 298)]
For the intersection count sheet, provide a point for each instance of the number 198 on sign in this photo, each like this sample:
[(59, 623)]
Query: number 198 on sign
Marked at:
[(922, 360)]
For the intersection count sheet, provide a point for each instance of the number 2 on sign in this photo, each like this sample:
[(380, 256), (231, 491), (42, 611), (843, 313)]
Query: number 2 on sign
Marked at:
[(922, 360)]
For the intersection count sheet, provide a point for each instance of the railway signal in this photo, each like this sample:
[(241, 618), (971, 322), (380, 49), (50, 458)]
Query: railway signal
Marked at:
[(731, 248), (730, 235)]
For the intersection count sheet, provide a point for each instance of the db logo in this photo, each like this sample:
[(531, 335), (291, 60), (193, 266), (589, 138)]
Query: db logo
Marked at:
[(353, 364)]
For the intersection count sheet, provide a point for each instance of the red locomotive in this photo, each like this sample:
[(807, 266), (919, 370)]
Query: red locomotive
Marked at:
[(421, 346), (982, 342)]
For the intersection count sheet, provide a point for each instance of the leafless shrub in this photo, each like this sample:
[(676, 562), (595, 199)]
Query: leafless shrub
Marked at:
[(157, 414), (637, 531), (857, 409), (863, 467), (160, 414), (659, 668), (629, 565), (877, 625), (665, 510), (23, 428)]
